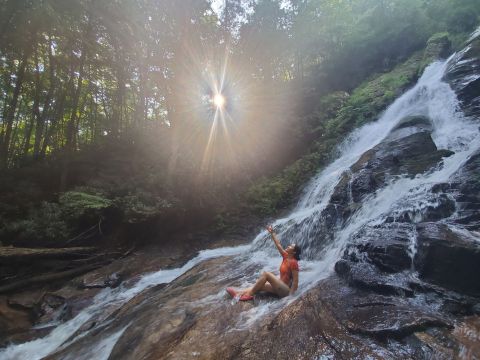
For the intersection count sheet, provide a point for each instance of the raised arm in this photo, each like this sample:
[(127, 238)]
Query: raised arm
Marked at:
[(275, 239)]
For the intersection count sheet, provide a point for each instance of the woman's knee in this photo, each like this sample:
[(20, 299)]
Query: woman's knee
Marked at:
[(267, 275)]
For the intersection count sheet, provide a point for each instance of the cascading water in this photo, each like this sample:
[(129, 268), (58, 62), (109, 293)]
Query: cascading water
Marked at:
[(430, 97), (104, 303), (310, 225)]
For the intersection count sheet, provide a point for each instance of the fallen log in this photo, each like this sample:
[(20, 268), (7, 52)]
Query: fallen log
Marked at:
[(12, 254), (50, 277)]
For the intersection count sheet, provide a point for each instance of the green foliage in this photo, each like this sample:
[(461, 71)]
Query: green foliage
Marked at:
[(80, 75), (372, 97), (439, 45), (269, 195), (141, 206), (76, 205), (45, 225)]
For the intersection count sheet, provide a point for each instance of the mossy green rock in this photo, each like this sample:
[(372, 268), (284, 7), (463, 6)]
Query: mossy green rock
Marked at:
[(438, 46)]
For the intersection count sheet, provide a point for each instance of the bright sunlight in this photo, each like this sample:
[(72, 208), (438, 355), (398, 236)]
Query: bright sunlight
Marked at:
[(219, 100)]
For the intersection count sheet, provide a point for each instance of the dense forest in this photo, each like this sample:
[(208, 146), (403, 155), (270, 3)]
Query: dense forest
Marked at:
[(114, 99)]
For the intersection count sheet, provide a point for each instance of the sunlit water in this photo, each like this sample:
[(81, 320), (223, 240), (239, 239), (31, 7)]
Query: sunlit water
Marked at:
[(430, 97)]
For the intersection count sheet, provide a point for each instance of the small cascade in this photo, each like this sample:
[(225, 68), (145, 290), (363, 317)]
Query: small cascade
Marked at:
[(412, 246)]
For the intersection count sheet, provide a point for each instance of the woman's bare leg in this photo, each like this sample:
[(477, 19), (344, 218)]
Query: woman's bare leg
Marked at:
[(275, 285), (278, 286), (258, 285)]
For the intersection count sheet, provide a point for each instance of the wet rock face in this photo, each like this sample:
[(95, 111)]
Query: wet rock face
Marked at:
[(388, 246), (463, 75), (447, 259), (100, 280), (384, 319), (466, 189), (409, 149), (366, 276), (386, 258), (193, 318)]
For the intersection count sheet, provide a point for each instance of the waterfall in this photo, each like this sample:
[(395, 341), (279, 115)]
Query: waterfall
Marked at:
[(322, 238), (451, 130)]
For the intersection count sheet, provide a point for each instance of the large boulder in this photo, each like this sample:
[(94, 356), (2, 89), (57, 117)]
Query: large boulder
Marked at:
[(463, 75), (363, 275), (388, 246), (448, 258), (409, 149)]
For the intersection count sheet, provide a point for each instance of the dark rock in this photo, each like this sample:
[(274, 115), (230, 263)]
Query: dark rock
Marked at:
[(12, 321), (26, 300), (444, 208), (98, 279), (410, 125), (365, 276), (448, 258), (393, 321), (412, 154), (387, 246), (378, 316), (465, 187), (463, 76), (52, 308)]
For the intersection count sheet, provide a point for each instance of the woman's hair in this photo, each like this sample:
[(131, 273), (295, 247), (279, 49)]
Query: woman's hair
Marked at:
[(298, 251)]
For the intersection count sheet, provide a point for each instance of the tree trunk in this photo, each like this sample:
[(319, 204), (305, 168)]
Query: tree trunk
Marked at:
[(79, 117), (35, 109), (58, 115), (69, 145), (39, 129), (10, 114), (8, 89), (117, 114), (141, 111), (48, 278), (14, 150)]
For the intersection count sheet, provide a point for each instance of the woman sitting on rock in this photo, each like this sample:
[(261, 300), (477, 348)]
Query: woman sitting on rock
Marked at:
[(287, 284)]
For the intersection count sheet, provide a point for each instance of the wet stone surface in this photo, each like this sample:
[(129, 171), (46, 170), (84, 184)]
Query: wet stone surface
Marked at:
[(463, 76)]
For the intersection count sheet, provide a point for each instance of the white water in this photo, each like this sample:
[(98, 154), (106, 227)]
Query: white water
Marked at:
[(475, 34), (430, 97)]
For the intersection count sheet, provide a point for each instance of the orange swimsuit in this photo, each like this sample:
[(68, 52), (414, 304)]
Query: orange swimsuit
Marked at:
[(286, 269)]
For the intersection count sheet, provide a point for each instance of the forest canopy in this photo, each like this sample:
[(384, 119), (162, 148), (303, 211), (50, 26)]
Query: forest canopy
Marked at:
[(81, 73)]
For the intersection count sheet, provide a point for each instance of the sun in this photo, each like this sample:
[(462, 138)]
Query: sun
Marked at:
[(219, 100)]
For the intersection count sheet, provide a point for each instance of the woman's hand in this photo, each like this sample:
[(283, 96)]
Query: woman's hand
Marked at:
[(275, 240)]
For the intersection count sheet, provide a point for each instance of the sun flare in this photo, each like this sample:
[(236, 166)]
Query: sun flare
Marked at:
[(219, 100)]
